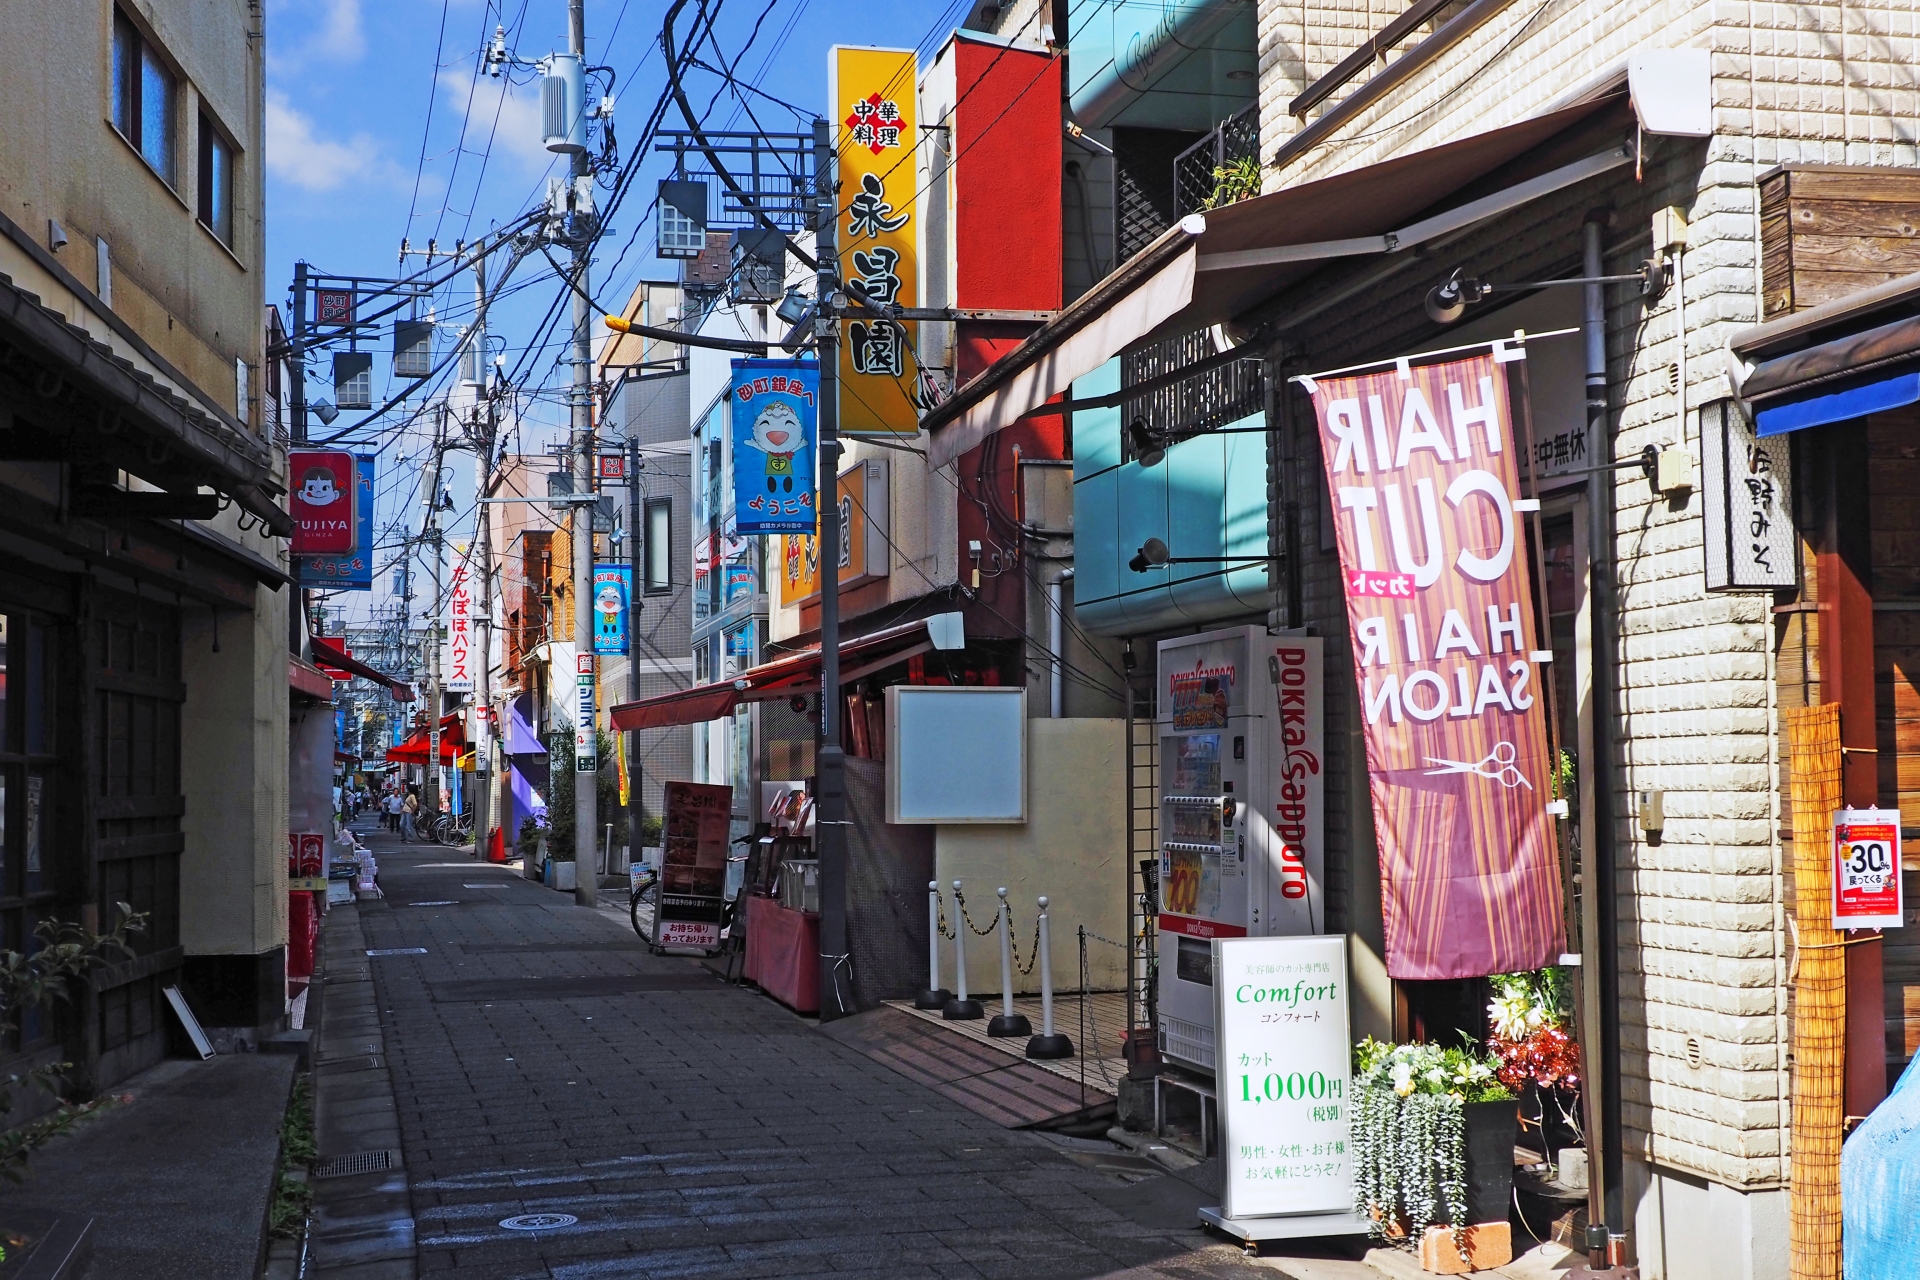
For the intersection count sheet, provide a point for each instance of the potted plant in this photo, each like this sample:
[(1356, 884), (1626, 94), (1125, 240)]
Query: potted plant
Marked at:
[(1538, 1057), (1432, 1139)]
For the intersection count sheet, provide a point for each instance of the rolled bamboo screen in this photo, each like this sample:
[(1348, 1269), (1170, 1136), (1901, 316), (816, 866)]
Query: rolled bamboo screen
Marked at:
[(1820, 1010)]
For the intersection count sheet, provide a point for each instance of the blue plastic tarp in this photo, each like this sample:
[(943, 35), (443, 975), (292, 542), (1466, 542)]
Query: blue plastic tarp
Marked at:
[(1839, 406), (1880, 1187)]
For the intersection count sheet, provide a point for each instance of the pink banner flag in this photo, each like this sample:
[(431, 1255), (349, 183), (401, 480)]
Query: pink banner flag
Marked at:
[(1421, 467)]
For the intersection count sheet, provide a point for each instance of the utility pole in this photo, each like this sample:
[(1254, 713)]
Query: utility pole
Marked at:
[(636, 805), (830, 840), (481, 737), (586, 882)]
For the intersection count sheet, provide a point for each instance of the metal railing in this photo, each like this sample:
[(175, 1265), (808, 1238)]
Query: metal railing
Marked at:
[(1195, 170), (1194, 405)]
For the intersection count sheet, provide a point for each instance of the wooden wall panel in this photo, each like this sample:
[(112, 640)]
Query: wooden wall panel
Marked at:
[(1829, 230)]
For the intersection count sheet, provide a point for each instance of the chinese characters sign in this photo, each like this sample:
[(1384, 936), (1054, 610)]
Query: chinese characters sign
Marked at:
[(1421, 468), (773, 404), (872, 96), (612, 594), (1866, 869), (1282, 1074), (456, 669), (863, 537), (322, 502), (350, 570), (1747, 502)]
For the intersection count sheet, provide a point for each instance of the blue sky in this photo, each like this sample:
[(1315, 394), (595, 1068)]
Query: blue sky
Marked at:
[(380, 127)]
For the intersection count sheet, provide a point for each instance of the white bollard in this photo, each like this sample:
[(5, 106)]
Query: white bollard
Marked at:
[(1007, 1023), (960, 1008), (935, 996), (1047, 1045)]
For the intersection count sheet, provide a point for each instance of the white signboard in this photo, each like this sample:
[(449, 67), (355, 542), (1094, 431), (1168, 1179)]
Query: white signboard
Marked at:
[(1282, 1079), (456, 668), (1866, 869)]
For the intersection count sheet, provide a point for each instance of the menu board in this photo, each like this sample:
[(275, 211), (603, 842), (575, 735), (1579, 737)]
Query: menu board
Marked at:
[(693, 864)]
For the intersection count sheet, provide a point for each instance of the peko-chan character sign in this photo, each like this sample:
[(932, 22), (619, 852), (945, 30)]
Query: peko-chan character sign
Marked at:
[(775, 413), (1420, 463), (323, 501)]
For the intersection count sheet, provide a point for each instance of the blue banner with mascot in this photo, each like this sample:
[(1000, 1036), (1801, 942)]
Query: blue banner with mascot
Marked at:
[(775, 412)]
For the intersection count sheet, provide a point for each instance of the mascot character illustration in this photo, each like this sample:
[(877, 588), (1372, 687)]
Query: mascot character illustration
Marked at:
[(777, 434), (317, 488)]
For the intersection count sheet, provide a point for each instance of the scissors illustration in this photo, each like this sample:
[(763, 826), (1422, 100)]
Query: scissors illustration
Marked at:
[(1502, 757)]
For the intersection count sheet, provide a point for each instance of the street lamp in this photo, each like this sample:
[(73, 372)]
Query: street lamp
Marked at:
[(1153, 554)]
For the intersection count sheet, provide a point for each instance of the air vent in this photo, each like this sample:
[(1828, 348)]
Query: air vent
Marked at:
[(1694, 1052)]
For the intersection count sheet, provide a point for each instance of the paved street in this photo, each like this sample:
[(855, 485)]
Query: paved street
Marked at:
[(543, 1063)]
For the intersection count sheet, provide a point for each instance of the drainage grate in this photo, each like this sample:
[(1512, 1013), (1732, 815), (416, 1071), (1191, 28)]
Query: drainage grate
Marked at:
[(438, 902), (358, 1162), (538, 1221), (397, 951)]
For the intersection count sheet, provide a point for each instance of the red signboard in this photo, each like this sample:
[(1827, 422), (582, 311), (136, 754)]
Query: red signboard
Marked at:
[(1421, 470), (322, 500), (1866, 869), (613, 466)]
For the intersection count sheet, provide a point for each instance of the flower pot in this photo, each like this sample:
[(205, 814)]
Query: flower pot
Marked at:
[(1491, 1130)]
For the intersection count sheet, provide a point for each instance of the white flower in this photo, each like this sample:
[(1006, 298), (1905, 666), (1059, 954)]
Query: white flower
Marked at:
[(1403, 1078)]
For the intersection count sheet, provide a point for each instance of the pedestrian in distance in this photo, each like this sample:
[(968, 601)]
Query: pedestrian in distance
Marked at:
[(409, 815)]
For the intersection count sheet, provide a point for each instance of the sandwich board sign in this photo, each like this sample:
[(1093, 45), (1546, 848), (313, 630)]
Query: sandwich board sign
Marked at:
[(1282, 1075)]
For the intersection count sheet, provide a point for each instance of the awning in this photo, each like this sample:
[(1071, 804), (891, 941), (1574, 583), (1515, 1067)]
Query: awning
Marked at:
[(417, 748), (794, 674), (325, 650), (1245, 254), (1848, 377), (521, 740), (1896, 392), (305, 678)]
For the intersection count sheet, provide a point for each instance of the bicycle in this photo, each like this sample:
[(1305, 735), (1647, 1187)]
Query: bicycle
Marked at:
[(647, 888)]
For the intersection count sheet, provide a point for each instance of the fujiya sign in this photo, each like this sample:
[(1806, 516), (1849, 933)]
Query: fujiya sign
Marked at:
[(1282, 1079)]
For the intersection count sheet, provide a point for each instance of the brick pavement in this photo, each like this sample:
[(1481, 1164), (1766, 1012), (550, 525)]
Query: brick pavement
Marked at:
[(693, 1128)]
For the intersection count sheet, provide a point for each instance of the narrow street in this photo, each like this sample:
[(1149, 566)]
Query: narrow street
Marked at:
[(542, 1062)]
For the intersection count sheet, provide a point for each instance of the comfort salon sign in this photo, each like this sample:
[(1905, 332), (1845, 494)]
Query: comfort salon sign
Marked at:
[(1421, 469)]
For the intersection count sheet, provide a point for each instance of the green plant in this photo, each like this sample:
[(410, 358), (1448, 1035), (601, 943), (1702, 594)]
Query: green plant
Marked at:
[(1235, 181), (560, 846), (527, 842), (39, 980), (292, 1193), (1409, 1132)]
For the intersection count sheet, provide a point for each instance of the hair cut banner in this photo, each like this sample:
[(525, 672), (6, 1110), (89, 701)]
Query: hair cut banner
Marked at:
[(1421, 469)]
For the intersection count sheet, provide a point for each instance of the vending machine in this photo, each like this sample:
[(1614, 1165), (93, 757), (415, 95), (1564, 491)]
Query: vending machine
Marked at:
[(1242, 817)]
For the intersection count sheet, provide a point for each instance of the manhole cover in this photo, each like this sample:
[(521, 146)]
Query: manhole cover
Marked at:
[(443, 902), (538, 1221), (398, 951), (358, 1162)]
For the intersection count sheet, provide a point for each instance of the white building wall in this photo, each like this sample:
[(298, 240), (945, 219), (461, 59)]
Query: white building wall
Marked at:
[(1704, 953)]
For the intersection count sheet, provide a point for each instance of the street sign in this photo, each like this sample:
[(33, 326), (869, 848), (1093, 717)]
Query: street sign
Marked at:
[(458, 667), (612, 594), (348, 570), (775, 420), (1866, 869), (1283, 1069), (325, 493), (613, 466)]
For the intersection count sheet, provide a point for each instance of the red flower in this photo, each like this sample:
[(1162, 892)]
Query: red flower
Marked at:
[(1548, 1058)]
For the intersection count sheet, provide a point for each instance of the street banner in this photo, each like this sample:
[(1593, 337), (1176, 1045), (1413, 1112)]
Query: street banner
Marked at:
[(693, 864), (1866, 869), (1282, 1075), (870, 99), (586, 744), (350, 570), (1421, 468), (322, 501), (458, 663), (775, 412), (612, 600)]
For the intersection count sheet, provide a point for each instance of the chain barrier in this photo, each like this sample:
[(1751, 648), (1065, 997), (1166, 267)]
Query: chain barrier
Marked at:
[(960, 899), (1033, 953), (1109, 941), (944, 926)]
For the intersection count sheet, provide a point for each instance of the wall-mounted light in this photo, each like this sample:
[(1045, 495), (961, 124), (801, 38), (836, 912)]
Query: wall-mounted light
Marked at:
[(1447, 301), (1145, 444), (1154, 554)]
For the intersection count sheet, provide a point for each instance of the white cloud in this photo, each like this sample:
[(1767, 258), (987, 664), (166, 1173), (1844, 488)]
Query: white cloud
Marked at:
[(324, 31), (313, 163), (516, 108)]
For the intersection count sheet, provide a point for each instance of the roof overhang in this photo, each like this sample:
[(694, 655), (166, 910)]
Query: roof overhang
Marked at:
[(1844, 359), (325, 650), (793, 675), (1235, 266)]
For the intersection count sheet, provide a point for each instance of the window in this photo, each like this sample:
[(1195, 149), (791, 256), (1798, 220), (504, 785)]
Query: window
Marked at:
[(216, 181), (659, 548), (145, 92)]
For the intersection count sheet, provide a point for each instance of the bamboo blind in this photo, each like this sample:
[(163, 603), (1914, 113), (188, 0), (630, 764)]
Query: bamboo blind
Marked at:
[(1820, 1014)]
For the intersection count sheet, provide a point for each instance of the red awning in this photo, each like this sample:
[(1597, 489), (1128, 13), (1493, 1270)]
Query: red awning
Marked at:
[(331, 653), (416, 749), (794, 674), (305, 678)]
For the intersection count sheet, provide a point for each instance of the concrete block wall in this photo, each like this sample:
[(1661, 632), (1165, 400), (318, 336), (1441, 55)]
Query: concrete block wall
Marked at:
[(1704, 953)]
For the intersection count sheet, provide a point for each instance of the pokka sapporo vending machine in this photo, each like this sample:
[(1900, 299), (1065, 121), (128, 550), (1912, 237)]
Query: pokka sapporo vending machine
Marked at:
[(1242, 820)]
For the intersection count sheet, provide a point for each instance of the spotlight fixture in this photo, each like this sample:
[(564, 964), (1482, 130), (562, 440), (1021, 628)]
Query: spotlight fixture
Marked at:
[(1154, 554), (325, 411), (1447, 301), (1145, 444), (794, 306)]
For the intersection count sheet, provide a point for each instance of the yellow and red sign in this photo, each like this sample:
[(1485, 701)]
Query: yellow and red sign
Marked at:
[(1866, 869), (862, 491), (871, 94)]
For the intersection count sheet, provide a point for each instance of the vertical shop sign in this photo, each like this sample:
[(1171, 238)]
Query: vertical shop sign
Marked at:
[(456, 669), (775, 416), (584, 745), (871, 100), (612, 599), (325, 493), (1282, 1075), (1866, 869), (693, 864), (1421, 467), (1747, 504), (1299, 803), (350, 570)]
